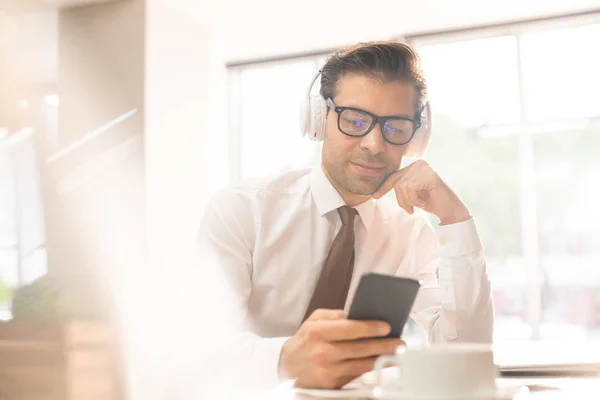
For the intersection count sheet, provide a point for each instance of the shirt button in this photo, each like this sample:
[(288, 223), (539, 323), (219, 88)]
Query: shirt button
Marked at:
[(442, 241)]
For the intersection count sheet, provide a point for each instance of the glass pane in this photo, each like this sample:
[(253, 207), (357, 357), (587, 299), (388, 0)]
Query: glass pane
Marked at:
[(270, 118), (568, 194), (475, 81), (484, 171), (7, 199), (34, 265), (28, 195), (9, 277), (22, 235), (560, 73)]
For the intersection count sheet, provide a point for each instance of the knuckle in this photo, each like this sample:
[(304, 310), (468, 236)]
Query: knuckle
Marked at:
[(317, 357), (421, 163), (320, 355), (401, 181), (324, 313), (314, 333), (305, 327), (413, 186), (317, 314)]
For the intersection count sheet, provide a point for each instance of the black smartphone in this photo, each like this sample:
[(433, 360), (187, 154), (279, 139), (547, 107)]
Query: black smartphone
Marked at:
[(384, 298)]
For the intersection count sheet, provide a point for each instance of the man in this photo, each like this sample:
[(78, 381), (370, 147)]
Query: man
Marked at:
[(272, 238)]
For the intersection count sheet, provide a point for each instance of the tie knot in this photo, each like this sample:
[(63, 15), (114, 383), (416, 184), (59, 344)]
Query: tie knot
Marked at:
[(347, 215)]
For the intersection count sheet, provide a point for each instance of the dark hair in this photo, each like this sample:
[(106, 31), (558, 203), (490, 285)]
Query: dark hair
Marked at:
[(387, 60)]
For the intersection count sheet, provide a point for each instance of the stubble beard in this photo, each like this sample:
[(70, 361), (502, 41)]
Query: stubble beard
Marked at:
[(352, 182)]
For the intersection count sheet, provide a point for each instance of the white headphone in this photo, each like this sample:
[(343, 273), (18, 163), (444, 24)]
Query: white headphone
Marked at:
[(313, 114)]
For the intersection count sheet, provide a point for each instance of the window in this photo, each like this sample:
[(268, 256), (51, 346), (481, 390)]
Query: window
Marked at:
[(22, 249), (517, 134), (560, 73), (268, 131), (474, 96)]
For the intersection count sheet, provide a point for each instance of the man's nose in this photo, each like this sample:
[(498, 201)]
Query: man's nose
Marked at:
[(373, 142)]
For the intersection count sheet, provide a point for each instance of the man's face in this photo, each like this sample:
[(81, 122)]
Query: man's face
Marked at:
[(359, 165)]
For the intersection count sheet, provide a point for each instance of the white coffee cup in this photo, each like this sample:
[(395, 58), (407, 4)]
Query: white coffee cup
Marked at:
[(451, 370)]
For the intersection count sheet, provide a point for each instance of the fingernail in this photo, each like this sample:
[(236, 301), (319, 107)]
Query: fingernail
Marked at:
[(384, 329)]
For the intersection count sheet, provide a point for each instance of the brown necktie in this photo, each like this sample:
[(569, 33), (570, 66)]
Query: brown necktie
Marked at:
[(333, 284)]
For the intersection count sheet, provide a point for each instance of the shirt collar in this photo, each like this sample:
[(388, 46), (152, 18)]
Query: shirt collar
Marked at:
[(327, 198)]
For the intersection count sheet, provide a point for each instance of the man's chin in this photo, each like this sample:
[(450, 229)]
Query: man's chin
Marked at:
[(368, 184), (365, 189)]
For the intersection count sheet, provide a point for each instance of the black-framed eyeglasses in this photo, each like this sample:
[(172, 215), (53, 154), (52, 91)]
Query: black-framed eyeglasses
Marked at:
[(358, 123)]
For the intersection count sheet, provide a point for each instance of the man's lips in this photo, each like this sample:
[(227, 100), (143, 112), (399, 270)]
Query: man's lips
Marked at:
[(367, 169)]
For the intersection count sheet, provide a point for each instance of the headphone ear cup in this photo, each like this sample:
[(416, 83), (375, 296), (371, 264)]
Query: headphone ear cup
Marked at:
[(320, 112), (315, 114), (305, 117), (418, 146)]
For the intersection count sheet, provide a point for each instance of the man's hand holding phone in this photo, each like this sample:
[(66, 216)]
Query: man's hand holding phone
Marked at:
[(329, 350)]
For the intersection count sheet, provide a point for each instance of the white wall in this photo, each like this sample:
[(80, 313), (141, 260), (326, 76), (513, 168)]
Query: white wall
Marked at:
[(177, 115), (31, 40), (259, 28)]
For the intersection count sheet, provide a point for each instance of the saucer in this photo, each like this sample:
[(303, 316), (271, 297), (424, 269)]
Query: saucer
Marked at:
[(391, 393), (354, 393)]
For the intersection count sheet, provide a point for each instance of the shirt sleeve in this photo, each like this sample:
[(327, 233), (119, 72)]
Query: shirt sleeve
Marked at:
[(455, 300), (223, 267)]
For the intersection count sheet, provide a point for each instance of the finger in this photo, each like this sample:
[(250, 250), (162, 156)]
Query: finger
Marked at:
[(326, 314), (412, 195), (389, 183), (344, 380), (346, 329), (365, 348), (402, 197), (422, 199)]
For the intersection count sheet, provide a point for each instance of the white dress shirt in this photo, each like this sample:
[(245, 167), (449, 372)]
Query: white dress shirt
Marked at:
[(270, 238)]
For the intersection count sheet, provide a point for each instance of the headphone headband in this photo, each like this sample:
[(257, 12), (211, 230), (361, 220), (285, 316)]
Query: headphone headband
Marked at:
[(312, 82)]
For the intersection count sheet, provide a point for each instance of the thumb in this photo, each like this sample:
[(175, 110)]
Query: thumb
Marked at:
[(388, 184)]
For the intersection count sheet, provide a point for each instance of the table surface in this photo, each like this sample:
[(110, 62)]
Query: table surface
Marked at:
[(532, 389)]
